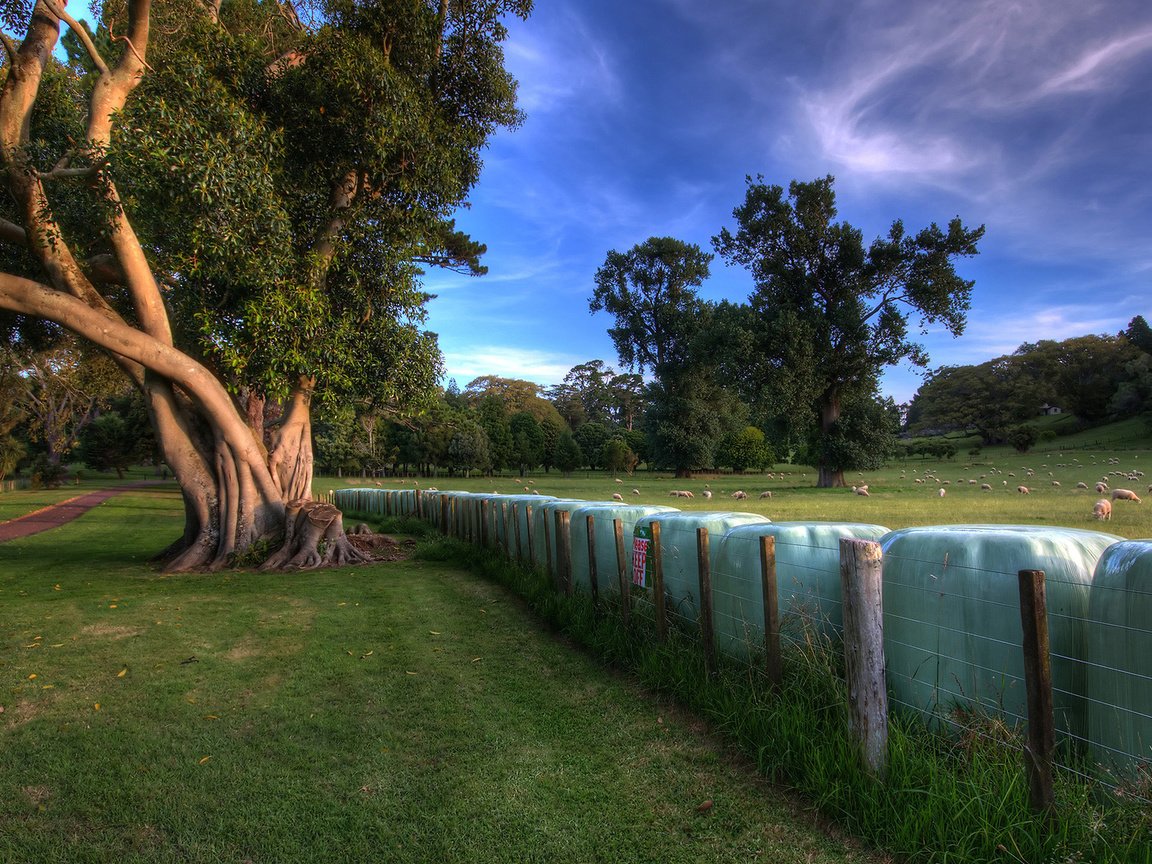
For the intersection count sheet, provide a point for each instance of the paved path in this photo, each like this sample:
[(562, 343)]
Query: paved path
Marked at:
[(55, 515)]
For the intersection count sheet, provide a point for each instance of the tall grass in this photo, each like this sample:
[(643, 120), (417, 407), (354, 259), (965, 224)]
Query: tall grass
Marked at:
[(947, 796)]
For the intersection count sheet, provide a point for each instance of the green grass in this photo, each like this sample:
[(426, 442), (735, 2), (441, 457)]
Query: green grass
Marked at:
[(20, 502), (945, 797), (397, 712)]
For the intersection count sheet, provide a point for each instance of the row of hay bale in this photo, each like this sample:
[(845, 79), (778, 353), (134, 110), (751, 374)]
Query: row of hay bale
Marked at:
[(951, 598)]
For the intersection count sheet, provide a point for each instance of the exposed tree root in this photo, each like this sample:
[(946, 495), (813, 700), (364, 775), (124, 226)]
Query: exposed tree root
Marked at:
[(307, 525)]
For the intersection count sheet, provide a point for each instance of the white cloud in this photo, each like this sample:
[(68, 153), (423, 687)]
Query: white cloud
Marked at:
[(543, 367)]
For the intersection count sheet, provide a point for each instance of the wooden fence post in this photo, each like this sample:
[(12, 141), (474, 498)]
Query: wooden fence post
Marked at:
[(860, 585), (548, 550), (772, 665), (528, 525), (622, 573), (516, 521), (658, 583), (593, 578), (484, 516), (1040, 749), (564, 550), (419, 502), (443, 514), (707, 630)]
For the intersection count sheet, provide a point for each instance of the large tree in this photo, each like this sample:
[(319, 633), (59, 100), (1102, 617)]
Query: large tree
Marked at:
[(651, 291), (829, 313), (235, 206)]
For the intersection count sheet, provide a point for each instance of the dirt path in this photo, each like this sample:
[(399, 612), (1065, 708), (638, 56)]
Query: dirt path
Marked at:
[(55, 515)]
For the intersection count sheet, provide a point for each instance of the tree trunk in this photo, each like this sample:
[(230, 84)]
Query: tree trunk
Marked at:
[(684, 473), (829, 477)]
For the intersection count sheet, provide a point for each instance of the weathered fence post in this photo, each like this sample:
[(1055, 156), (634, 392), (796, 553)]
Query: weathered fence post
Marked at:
[(548, 551), (528, 525), (516, 520), (593, 579), (707, 630), (564, 550), (622, 573), (1040, 749), (863, 605), (658, 583), (772, 665), (443, 514), (484, 517)]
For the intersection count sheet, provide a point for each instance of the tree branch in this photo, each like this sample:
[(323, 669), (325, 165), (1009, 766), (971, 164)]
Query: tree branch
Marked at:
[(81, 34)]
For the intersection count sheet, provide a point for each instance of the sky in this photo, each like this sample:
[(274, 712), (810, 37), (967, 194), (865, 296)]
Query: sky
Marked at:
[(643, 118)]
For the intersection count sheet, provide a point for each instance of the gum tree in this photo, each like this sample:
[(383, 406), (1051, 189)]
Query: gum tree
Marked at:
[(234, 200)]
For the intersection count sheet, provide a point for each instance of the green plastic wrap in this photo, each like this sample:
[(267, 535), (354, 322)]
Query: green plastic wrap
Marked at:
[(678, 552), (807, 579), (603, 515), (952, 631), (1119, 659)]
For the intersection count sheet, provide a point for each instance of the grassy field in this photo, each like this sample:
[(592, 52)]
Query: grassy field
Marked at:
[(398, 712), (895, 500)]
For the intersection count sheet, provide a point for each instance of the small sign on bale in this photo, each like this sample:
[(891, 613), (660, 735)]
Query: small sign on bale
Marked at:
[(641, 561)]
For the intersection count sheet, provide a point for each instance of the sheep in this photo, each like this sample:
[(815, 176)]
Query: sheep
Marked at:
[(618, 480), (616, 496), (985, 487), (1056, 483), (1125, 495), (739, 495), (635, 491), (765, 495), (1023, 490), (707, 493), (1081, 485), (1101, 488), (943, 491), (862, 490), (1103, 510)]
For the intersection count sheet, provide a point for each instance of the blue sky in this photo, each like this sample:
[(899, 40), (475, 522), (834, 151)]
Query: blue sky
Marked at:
[(1033, 118)]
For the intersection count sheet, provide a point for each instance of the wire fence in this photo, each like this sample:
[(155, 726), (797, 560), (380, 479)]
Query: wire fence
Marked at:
[(952, 605)]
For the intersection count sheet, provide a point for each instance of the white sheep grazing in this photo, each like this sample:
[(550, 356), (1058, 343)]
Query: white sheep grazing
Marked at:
[(942, 492), (707, 493), (765, 495), (635, 491), (1023, 490), (616, 496), (675, 493), (1125, 495), (985, 487), (1056, 483), (618, 480), (1101, 487), (1081, 485), (684, 493), (1103, 510), (739, 495)]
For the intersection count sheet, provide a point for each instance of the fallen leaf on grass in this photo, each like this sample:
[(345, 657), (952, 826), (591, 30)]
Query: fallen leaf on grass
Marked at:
[(476, 659), (122, 673), (705, 807), (95, 706), (57, 587), (434, 632), (205, 759), (406, 672), (32, 677), (211, 717), (369, 654)]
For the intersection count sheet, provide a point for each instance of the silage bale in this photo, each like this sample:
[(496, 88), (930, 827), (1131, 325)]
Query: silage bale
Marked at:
[(678, 552), (1119, 660), (952, 631), (604, 513), (807, 579)]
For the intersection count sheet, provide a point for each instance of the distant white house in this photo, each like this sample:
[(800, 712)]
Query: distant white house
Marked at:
[(1051, 409)]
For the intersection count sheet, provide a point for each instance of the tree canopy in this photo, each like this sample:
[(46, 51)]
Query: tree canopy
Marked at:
[(827, 313)]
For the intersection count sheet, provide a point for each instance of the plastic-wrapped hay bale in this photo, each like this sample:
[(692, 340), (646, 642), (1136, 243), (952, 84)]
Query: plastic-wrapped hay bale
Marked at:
[(520, 506), (1119, 659), (544, 541), (952, 631), (678, 552), (807, 579), (604, 514)]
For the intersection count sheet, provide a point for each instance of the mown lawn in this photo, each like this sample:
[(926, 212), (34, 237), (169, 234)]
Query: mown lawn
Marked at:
[(398, 712)]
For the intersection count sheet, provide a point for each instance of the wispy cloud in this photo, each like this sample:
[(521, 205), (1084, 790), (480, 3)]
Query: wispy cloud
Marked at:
[(543, 367)]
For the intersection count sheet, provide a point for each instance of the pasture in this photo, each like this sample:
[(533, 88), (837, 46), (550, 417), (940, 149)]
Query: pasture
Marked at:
[(895, 499)]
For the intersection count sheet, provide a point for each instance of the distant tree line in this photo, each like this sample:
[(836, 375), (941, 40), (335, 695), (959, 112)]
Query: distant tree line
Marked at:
[(1095, 379)]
